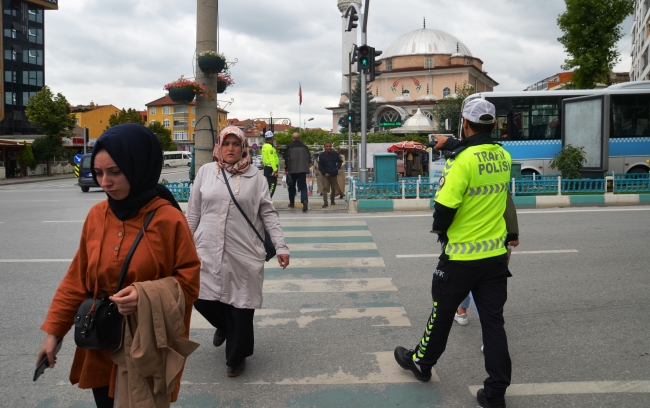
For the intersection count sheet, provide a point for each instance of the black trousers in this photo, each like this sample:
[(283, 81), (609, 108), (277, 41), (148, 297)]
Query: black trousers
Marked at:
[(452, 282), (270, 179), (236, 324), (301, 180), (102, 400)]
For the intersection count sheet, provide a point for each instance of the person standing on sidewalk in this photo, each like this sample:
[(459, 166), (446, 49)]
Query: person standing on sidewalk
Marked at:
[(340, 178), (271, 162), (329, 163), (296, 163), (468, 218)]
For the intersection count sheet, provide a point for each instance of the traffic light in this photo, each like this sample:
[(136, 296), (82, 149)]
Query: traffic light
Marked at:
[(363, 59), (374, 64), (352, 19), (351, 116), (355, 54)]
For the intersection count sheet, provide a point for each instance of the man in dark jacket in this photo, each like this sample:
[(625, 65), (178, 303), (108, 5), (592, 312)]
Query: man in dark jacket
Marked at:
[(296, 164), (329, 163)]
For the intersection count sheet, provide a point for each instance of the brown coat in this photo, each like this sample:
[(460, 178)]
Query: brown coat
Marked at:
[(152, 351), (167, 249)]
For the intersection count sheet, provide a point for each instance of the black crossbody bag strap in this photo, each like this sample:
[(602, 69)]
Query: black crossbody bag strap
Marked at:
[(239, 208), (127, 261)]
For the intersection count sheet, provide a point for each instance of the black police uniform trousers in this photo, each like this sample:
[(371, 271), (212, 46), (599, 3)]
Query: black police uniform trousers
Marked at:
[(452, 282), (270, 179)]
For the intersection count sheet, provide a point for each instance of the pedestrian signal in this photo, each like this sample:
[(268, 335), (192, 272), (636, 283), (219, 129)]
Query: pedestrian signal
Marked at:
[(363, 62), (350, 116)]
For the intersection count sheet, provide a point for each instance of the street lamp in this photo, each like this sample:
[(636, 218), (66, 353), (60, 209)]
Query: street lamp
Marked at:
[(304, 124)]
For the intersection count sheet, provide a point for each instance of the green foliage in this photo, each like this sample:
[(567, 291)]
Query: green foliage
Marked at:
[(28, 156), (356, 107), (164, 136), (282, 138), (125, 116), (46, 147), (569, 161), (51, 114), (592, 28), (451, 108)]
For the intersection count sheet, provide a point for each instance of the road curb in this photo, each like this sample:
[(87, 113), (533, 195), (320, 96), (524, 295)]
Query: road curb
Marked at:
[(528, 202)]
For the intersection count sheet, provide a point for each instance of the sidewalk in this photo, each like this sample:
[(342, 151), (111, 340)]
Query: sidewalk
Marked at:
[(36, 179)]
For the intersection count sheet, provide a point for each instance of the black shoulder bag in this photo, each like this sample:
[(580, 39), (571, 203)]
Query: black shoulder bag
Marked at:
[(268, 244), (98, 324)]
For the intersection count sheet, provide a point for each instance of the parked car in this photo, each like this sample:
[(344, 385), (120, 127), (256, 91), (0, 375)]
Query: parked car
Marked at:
[(257, 162), (85, 175)]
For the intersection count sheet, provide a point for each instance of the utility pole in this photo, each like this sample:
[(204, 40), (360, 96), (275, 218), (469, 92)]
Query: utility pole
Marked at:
[(363, 168), (349, 122), (206, 106)]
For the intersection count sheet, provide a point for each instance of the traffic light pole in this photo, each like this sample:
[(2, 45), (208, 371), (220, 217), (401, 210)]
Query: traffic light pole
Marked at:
[(350, 122)]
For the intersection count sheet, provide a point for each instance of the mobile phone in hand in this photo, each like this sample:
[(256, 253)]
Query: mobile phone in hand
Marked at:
[(44, 363)]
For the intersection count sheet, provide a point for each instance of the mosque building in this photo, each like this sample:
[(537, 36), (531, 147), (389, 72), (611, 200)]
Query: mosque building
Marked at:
[(418, 69)]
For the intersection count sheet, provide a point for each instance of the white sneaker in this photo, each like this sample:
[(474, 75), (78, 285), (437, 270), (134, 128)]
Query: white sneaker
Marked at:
[(482, 349), (461, 319)]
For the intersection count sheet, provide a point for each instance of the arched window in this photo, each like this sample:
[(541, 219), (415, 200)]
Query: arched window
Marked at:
[(446, 92)]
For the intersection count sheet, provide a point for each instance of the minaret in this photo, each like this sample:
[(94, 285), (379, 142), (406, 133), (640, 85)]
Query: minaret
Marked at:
[(348, 41)]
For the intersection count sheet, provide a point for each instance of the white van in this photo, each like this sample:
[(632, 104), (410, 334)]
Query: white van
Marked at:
[(174, 159)]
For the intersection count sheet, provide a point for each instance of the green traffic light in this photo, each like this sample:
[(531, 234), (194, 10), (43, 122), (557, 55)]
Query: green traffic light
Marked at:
[(364, 62)]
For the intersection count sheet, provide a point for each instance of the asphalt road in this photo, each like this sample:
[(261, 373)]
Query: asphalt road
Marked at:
[(359, 285)]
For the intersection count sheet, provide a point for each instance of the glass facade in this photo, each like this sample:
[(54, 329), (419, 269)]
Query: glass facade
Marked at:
[(24, 62)]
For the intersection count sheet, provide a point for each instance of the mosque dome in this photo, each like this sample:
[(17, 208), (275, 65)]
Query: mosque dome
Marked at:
[(427, 98), (426, 41), (418, 123)]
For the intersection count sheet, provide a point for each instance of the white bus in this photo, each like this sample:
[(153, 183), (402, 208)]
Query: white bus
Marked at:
[(178, 158), (530, 125)]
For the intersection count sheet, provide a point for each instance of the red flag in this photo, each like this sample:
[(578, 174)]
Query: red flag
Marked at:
[(300, 93)]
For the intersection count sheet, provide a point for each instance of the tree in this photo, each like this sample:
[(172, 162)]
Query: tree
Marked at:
[(125, 116), (164, 135), (52, 115), (569, 161), (592, 28), (27, 157), (451, 108), (356, 107)]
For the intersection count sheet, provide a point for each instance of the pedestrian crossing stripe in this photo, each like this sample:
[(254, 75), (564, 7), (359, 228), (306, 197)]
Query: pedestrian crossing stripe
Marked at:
[(330, 262), (381, 317), (329, 285)]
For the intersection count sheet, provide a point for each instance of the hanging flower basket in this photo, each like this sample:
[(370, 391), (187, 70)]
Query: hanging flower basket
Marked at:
[(183, 90), (181, 95), (211, 62), (223, 82)]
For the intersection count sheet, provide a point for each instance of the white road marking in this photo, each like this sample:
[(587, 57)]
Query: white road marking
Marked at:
[(562, 388), (324, 224), (303, 234), (329, 285), (550, 251), (332, 247), (62, 221), (389, 373), (392, 317), (330, 263), (33, 260)]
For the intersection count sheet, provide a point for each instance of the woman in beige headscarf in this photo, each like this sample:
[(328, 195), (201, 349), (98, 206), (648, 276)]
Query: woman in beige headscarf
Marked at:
[(232, 255)]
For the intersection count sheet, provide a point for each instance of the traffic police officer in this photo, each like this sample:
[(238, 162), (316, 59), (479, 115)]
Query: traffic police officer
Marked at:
[(469, 220), (271, 162)]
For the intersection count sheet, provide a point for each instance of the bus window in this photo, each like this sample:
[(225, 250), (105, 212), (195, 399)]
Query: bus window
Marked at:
[(535, 118), (501, 131), (630, 115)]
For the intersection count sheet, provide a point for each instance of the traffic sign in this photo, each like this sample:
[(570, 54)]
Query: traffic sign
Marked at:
[(254, 146), (77, 159)]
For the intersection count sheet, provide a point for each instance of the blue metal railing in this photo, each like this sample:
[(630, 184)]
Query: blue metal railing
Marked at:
[(541, 177), (537, 187), (632, 185), (180, 190), (632, 176), (583, 186)]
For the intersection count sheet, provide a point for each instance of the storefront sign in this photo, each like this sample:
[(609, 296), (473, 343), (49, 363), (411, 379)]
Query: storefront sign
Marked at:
[(390, 124)]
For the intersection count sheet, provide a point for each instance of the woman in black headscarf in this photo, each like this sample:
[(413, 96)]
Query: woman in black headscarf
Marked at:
[(126, 162)]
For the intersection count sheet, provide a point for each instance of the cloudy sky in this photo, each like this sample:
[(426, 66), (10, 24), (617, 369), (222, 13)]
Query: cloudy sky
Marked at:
[(122, 52)]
